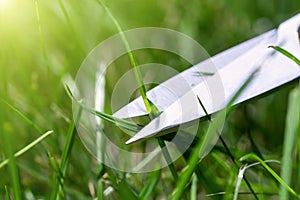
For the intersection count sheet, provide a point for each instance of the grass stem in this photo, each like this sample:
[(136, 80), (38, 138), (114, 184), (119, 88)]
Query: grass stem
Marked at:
[(62, 169)]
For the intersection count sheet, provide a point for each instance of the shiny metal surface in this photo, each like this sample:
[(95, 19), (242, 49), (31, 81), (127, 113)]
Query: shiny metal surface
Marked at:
[(233, 66)]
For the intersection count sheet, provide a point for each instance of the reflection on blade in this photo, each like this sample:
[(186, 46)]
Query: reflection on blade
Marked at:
[(168, 92), (275, 70)]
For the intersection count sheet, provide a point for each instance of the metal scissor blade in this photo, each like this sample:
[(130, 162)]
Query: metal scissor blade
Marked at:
[(275, 70), (180, 84)]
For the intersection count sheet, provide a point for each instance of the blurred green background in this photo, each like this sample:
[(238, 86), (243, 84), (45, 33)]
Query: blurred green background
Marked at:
[(34, 64)]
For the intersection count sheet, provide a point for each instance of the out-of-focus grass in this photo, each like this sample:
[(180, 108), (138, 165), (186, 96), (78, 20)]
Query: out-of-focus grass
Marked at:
[(70, 29)]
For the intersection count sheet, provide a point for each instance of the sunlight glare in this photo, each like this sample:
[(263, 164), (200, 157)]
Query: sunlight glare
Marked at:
[(3, 4)]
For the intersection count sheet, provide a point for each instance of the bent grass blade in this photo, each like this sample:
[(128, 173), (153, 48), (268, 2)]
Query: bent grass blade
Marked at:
[(26, 148), (252, 156), (286, 53), (116, 121), (241, 175)]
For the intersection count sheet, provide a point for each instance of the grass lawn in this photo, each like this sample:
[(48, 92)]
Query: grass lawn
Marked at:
[(42, 46)]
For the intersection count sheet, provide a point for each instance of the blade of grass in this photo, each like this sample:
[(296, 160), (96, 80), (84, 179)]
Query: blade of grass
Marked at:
[(210, 133), (41, 36), (227, 149), (12, 165), (118, 122), (133, 62), (227, 169), (121, 180), (127, 125), (239, 181), (69, 21), (203, 175), (100, 189), (149, 186), (66, 155), (297, 175), (27, 147), (286, 53), (23, 150), (194, 188), (24, 118), (254, 147), (7, 192), (125, 191), (58, 181), (241, 175), (261, 185), (101, 168), (69, 143), (291, 131), (297, 163), (204, 178), (168, 158), (150, 107), (252, 156)]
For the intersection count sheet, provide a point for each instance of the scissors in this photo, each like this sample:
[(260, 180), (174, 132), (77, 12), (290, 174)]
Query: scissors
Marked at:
[(233, 66)]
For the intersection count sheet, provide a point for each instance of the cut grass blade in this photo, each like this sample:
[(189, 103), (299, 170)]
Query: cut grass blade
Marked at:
[(239, 181), (227, 149), (252, 156), (286, 53), (241, 175), (26, 148), (291, 131), (201, 145)]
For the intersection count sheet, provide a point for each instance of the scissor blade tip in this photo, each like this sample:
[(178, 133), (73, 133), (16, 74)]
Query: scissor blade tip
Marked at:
[(131, 140)]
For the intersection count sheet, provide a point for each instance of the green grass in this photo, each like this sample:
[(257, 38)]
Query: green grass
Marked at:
[(42, 42)]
